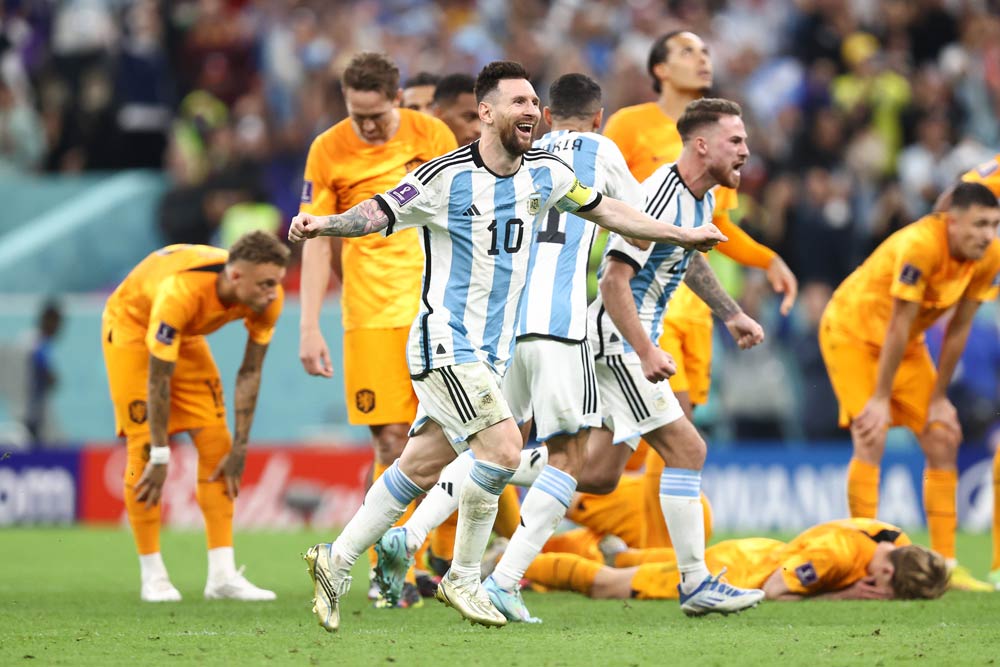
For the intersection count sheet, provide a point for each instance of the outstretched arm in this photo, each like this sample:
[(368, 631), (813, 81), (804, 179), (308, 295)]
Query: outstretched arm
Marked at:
[(230, 468), (703, 282), (619, 217), (364, 218)]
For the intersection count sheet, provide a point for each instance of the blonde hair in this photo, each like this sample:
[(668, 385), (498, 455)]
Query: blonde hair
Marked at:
[(260, 247), (920, 574)]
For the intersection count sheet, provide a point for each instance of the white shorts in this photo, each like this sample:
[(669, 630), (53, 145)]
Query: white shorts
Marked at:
[(462, 399), (554, 383), (633, 406)]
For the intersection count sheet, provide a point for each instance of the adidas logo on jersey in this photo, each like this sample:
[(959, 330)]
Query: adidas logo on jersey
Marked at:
[(472, 210), (440, 349), (614, 338)]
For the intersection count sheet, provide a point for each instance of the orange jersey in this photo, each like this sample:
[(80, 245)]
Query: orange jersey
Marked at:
[(913, 264), (171, 294), (830, 556), (382, 275), (648, 138), (988, 174)]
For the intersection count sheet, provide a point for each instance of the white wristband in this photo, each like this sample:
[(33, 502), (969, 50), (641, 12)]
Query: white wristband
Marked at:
[(159, 455)]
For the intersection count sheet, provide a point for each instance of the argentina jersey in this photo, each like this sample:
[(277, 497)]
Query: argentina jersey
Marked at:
[(660, 268), (476, 235), (554, 304)]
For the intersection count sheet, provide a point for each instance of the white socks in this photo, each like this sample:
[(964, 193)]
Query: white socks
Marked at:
[(680, 499), (543, 508), (151, 567), (477, 508), (221, 564), (385, 502), (533, 461)]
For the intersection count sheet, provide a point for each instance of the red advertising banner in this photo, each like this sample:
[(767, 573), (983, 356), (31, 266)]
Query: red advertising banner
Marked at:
[(283, 487)]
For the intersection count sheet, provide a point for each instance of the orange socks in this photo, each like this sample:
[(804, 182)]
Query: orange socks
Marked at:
[(508, 512), (940, 487), (213, 443), (996, 511), (862, 489), (145, 521), (563, 572)]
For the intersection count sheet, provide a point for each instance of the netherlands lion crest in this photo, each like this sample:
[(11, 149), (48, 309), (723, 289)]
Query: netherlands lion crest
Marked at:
[(364, 399), (137, 412)]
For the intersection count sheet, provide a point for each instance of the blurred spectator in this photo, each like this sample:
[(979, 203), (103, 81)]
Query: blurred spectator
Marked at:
[(22, 137), (418, 92), (817, 405), (454, 102), (41, 375)]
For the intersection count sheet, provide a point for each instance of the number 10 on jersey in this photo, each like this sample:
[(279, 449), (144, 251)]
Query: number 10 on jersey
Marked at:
[(512, 236)]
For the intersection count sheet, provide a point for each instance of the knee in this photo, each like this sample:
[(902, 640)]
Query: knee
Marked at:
[(389, 440), (868, 448), (940, 447), (598, 482)]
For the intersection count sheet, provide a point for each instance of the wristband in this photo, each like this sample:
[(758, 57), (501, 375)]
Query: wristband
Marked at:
[(159, 456)]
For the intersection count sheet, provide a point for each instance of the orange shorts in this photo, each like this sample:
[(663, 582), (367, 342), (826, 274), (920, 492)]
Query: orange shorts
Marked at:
[(196, 398), (853, 369), (377, 378), (690, 343)]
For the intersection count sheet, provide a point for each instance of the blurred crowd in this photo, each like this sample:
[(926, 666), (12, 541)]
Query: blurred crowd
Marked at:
[(859, 113)]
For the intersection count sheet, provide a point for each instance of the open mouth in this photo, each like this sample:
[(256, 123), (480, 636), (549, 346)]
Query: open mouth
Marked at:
[(524, 129)]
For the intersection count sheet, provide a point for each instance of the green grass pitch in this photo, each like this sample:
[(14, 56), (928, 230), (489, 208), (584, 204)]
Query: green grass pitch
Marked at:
[(70, 596)]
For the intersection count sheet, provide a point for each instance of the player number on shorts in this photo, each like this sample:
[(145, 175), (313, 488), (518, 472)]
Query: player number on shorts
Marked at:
[(551, 233), (513, 235)]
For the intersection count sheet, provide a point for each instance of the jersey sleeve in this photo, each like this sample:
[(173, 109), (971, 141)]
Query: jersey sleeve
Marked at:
[(260, 327), (985, 282), (317, 197), (172, 309), (726, 199), (409, 204), (741, 247), (988, 174), (568, 194), (618, 180), (622, 250), (815, 570), (912, 268)]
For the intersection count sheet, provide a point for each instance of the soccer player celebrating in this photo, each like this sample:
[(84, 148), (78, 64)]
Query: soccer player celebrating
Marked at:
[(364, 154), (681, 69), (551, 343), (472, 206), (872, 340), (164, 381), (635, 287), (850, 559)]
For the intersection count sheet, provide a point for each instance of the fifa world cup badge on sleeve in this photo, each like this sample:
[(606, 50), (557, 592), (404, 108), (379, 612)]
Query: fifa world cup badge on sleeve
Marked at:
[(307, 192), (910, 275), (165, 334), (403, 193), (806, 574)]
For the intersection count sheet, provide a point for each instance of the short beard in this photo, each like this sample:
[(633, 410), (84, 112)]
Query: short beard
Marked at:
[(509, 140), (723, 177)]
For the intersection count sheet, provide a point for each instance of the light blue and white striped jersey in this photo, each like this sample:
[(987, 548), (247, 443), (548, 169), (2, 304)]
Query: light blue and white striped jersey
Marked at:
[(660, 268), (477, 230), (555, 299)]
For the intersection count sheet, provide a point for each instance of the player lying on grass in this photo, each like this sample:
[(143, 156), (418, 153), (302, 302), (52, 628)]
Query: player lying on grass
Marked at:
[(849, 559)]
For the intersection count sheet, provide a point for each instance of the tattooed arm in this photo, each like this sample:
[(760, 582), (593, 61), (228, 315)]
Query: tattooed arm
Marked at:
[(364, 218), (247, 388), (703, 282), (150, 484)]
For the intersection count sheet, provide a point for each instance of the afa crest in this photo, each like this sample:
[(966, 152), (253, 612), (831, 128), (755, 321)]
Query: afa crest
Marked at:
[(364, 400), (534, 203), (137, 412)]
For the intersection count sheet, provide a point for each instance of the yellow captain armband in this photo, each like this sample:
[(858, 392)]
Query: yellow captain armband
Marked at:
[(579, 198)]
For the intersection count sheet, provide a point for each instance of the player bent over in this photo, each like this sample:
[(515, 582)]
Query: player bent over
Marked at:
[(872, 339), (164, 381), (475, 206)]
